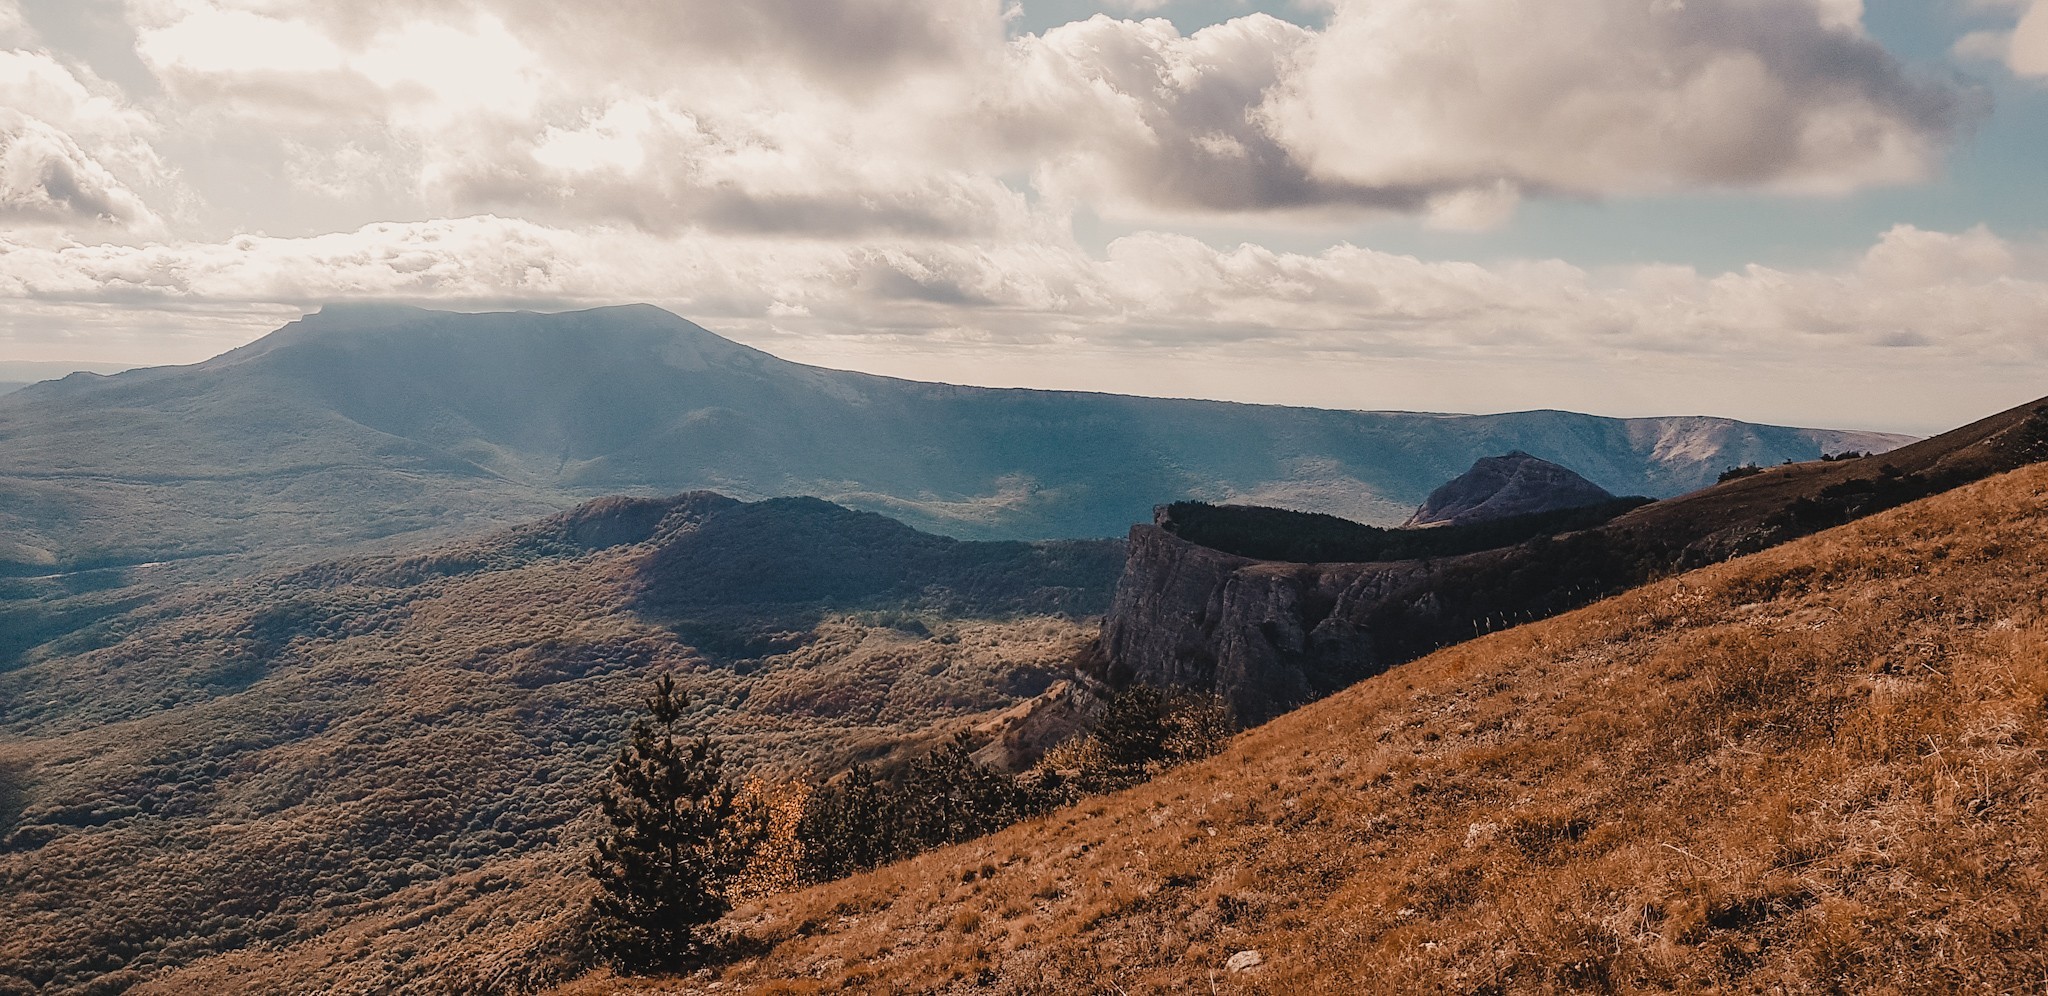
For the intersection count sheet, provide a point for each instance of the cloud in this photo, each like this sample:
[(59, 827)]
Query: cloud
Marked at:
[(2027, 52), (45, 177), (1608, 97), (14, 30), (72, 151), (1139, 119), (663, 168), (1458, 109), (1971, 293), (2023, 49), (910, 117), (418, 76)]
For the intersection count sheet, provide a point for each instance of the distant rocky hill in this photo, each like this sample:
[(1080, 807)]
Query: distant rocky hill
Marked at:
[(1218, 598), (370, 428), (253, 766), (1503, 487)]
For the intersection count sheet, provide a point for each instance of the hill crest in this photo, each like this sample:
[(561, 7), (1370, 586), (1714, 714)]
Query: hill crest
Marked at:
[(1506, 486)]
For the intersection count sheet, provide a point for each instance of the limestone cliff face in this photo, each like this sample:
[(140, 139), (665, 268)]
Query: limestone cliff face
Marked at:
[(1265, 636)]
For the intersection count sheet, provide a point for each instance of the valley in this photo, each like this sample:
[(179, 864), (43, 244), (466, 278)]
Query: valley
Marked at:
[(272, 763)]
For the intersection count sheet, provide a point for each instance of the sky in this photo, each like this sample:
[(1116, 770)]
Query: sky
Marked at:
[(1816, 212)]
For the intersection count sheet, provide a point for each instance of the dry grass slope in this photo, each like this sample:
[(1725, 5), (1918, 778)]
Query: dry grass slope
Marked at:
[(1818, 769)]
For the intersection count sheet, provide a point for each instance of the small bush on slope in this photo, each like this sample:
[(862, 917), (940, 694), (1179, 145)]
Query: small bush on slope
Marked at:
[(861, 819), (1819, 769)]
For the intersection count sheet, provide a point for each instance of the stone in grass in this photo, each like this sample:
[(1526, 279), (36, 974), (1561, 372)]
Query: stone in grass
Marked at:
[(1245, 961)]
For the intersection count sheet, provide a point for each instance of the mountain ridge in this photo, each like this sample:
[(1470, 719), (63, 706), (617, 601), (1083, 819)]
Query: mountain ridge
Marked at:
[(361, 426)]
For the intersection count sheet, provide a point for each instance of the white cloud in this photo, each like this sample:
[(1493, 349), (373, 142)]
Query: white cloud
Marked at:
[(1605, 97), (211, 40), (46, 178), (2027, 53), (419, 76), (2023, 49), (14, 30), (72, 151), (861, 117), (1971, 292)]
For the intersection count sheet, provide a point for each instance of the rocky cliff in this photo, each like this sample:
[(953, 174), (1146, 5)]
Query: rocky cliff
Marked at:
[(1265, 636)]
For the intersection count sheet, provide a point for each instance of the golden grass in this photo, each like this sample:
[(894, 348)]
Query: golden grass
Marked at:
[(1818, 769)]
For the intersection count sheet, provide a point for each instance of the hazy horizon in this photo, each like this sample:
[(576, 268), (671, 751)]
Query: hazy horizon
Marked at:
[(1054, 377)]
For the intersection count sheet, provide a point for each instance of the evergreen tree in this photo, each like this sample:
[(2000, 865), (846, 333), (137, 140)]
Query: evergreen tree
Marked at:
[(852, 825), (660, 863)]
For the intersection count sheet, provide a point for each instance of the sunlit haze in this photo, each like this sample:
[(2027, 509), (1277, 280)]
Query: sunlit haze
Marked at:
[(1816, 212)]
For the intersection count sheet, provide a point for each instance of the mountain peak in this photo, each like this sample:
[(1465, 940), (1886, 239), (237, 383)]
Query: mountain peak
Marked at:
[(1515, 483)]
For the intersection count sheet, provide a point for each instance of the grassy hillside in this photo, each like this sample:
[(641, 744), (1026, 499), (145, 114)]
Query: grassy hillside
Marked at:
[(364, 426), (1822, 768), (268, 766)]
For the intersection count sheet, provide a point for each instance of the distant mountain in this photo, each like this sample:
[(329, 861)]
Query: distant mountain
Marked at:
[(17, 374), (368, 424), (1503, 487)]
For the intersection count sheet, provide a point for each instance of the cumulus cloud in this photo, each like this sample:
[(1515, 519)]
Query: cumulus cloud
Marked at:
[(1603, 97), (1140, 119), (45, 177), (286, 68), (662, 167), (72, 151), (861, 117)]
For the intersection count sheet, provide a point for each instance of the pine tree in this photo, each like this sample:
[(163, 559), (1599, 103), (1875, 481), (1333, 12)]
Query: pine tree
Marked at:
[(660, 863), (851, 825)]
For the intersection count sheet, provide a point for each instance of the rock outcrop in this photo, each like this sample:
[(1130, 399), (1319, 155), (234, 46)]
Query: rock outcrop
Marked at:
[(1505, 486), (1265, 636)]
